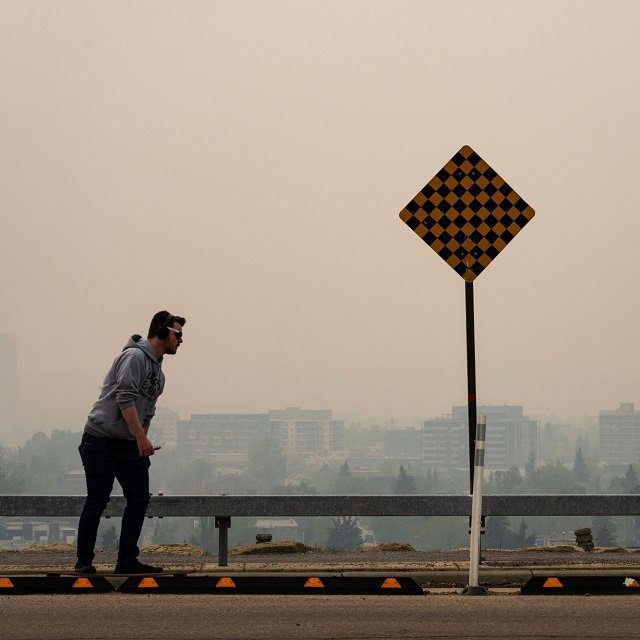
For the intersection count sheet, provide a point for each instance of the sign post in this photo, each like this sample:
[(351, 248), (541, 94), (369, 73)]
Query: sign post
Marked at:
[(467, 214), (474, 588), (471, 374)]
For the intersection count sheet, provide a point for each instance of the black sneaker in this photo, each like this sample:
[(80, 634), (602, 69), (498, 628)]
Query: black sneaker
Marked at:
[(84, 568), (137, 567)]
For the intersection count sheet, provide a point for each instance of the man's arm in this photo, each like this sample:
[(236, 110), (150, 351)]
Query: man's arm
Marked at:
[(130, 415), (129, 373)]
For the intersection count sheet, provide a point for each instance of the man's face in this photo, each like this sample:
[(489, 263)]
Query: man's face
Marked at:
[(174, 339)]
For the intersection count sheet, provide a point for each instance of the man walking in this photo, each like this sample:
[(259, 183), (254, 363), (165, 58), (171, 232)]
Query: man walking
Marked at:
[(115, 443)]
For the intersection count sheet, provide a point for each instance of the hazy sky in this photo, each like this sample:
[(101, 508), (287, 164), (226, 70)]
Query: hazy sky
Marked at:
[(243, 164)]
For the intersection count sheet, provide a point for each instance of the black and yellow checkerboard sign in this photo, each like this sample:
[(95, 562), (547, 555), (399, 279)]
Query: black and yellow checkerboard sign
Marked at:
[(467, 214)]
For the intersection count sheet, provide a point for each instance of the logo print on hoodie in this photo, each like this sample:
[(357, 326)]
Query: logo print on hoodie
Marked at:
[(150, 388)]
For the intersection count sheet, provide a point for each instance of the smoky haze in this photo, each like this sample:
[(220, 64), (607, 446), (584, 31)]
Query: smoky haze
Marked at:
[(243, 164)]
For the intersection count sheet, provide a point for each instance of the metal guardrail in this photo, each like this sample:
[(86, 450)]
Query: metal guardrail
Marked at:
[(333, 505), (226, 507)]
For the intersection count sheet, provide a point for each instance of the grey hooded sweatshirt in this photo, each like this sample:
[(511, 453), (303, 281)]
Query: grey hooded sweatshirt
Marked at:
[(135, 378)]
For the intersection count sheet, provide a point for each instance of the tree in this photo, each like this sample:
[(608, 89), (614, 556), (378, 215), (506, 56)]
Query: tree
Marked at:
[(345, 472), (525, 540), (267, 462), (630, 481), (429, 479), (323, 478), (172, 530), (499, 534), (349, 485), (37, 444), (345, 534), (404, 482), (197, 477), (15, 476), (530, 470), (556, 478), (604, 532), (208, 539), (630, 485), (580, 468), (63, 449), (109, 539), (501, 482), (584, 442), (303, 488), (36, 467)]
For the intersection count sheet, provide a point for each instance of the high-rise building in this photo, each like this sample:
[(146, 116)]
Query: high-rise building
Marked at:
[(307, 431), (620, 435), (211, 436), (223, 437), (8, 380), (557, 443), (164, 428), (511, 438), (402, 443)]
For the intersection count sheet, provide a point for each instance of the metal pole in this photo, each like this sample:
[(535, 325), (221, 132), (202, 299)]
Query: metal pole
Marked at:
[(471, 376), (474, 588), (223, 523)]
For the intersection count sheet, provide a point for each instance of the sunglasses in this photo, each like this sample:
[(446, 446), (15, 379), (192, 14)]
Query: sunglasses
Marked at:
[(178, 333)]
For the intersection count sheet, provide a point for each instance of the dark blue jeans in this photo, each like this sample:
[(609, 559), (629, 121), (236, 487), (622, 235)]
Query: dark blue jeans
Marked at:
[(106, 459)]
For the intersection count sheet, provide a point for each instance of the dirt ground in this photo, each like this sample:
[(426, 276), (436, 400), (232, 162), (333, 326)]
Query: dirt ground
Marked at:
[(332, 561)]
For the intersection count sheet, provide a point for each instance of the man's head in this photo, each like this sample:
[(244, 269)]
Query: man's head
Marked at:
[(165, 332)]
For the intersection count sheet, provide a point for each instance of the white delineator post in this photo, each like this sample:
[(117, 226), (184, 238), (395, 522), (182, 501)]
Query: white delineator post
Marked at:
[(476, 510)]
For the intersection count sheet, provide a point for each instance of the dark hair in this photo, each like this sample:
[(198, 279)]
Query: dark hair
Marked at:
[(159, 321)]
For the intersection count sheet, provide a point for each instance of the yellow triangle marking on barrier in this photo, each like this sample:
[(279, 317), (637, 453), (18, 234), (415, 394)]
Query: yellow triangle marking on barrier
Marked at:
[(631, 582), (82, 583), (225, 583), (5, 583), (390, 583), (148, 583), (314, 583), (552, 583)]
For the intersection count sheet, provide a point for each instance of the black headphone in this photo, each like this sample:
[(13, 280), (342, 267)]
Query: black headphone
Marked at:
[(163, 331)]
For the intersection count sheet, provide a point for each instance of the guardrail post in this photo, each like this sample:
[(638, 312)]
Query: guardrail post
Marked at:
[(223, 524)]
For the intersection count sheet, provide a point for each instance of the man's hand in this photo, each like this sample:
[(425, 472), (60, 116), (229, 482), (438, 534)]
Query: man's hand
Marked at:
[(145, 448), (130, 415)]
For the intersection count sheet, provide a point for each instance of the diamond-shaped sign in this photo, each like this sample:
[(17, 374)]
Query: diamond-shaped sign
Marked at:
[(467, 214)]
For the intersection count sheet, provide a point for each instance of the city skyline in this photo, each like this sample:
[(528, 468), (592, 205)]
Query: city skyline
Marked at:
[(310, 438), (8, 373)]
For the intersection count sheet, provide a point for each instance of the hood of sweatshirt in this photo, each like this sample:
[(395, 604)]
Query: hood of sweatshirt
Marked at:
[(138, 342)]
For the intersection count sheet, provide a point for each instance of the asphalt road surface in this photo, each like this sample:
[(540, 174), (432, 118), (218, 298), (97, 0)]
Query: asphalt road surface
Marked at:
[(224, 617)]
